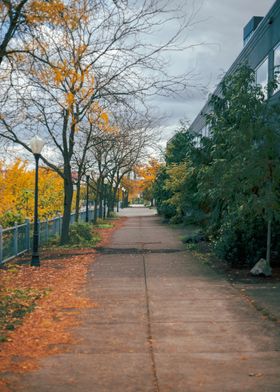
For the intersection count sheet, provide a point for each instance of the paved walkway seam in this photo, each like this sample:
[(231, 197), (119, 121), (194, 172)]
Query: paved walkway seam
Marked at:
[(149, 330)]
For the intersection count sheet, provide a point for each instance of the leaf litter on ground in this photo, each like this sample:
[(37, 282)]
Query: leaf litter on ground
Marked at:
[(39, 306)]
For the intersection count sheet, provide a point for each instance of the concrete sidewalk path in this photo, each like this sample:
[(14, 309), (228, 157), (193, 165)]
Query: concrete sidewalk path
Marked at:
[(164, 323)]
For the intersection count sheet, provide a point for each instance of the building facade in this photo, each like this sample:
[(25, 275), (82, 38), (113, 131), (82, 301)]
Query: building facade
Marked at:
[(261, 52)]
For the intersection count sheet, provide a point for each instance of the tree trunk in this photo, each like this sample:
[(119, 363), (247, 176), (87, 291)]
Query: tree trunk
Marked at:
[(78, 198), (100, 211), (95, 209), (68, 197), (111, 201), (114, 197), (101, 196), (268, 241)]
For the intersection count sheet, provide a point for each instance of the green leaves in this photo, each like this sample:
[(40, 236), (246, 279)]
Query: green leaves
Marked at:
[(243, 174), (14, 305), (233, 178)]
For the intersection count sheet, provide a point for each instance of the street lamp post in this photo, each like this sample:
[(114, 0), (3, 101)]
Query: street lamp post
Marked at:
[(123, 196), (118, 198), (105, 182), (87, 181), (37, 145)]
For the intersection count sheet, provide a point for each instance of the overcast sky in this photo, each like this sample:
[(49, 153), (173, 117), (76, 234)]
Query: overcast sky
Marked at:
[(220, 26)]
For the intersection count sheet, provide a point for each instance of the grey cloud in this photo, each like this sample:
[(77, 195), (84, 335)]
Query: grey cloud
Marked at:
[(220, 27)]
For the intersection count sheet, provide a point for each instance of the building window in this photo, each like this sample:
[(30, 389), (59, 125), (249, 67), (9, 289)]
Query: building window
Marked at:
[(197, 141), (206, 131), (262, 76), (277, 66)]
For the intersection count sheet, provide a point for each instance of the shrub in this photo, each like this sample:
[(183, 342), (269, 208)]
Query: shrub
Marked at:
[(167, 210), (241, 239), (80, 233), (193, 238), (113, 215), (103, 224)]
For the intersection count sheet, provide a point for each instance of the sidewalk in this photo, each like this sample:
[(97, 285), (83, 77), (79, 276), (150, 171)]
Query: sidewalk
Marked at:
[(164, 322)]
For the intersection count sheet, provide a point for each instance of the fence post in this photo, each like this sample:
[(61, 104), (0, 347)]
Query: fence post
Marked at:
[(27, 234), (39, 232), (1, 244), (55, 226), (15, 239), (47, 230), (60, 224)]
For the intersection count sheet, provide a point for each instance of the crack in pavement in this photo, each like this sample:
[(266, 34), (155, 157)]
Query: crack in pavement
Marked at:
[(115, 251), (149, 330)]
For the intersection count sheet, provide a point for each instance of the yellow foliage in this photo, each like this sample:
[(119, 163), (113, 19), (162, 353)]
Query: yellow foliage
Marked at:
[(58, 76), (104, 117), (177, 176), (40, 11), (57, 12), (17, 191), (148, 173), (144, 178), (100, 118), (70, 98), (132, 186)]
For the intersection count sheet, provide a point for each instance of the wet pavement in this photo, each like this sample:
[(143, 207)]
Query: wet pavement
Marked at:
[(163, 323)]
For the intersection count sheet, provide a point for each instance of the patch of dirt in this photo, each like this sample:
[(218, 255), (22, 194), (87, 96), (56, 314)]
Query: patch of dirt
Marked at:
[(235, 275)]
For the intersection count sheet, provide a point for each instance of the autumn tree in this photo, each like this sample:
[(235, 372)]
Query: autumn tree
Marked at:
[(16, 193), (90, 54), (148, 174), (17, 17), (93, 131)]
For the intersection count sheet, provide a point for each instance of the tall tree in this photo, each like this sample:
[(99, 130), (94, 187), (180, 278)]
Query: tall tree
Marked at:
[(91, 53), (243, 174)]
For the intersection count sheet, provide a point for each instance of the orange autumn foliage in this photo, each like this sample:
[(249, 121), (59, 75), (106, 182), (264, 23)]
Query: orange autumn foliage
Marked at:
[(63, 273), (56, 12), (145, 178), (50, 318), (132, 186), (148, 173), (17, 192)]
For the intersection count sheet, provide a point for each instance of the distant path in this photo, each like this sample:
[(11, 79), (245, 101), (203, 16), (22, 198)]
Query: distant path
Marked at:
[(164, 323), (137, 211)]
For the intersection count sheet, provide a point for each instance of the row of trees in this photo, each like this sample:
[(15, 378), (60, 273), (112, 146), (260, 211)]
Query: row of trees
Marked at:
[(230, 183), (111, 157), (79, 73)]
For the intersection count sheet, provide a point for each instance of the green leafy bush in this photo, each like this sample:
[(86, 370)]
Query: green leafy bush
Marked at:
[(193, 238), (167, 210), (113, 215), (241, 239), (103, 224), (228, 183), (81, 233)]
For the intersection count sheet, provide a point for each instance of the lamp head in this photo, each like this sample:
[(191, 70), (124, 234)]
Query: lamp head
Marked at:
[(37, 144)]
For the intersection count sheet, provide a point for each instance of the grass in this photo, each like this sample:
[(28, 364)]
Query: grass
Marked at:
[(14, 305)]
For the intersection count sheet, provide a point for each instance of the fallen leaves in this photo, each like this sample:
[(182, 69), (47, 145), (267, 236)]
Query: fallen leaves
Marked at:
[(14, 305), (55, 291), (48, 325), (106, 233), (255, 374)]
